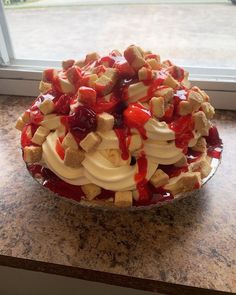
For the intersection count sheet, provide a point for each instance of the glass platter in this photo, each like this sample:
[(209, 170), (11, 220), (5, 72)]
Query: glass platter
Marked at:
[(106, 205)]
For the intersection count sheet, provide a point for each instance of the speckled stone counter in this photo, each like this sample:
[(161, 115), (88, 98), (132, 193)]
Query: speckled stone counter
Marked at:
[(184, 248)]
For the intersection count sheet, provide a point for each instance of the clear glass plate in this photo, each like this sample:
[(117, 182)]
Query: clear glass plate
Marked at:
[(106, 205)]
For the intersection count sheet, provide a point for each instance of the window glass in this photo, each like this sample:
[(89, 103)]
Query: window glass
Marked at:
[(192, 34)]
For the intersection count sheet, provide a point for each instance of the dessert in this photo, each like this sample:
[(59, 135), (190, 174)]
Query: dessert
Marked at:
[(124, 130)]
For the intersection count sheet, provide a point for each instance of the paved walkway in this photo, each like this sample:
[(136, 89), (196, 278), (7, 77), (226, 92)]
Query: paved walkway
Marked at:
[(202, 34)]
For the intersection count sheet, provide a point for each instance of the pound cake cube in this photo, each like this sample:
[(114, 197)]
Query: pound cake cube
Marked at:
[(73, 157), (202, 125), (153, 63), (66, 64), (171, 82), (159, 178), (47, 106), (90, 141), (69, 141), (157, 106), (124, 199), (44, 87), (166, 92), (105, 122), (32, 154), (20, 124), (208, 109), (185, 108), (91, 190), (40, 135), (104, 84), (145, 74), (134, 57), (91, 57), (184, 183), (200, 146)]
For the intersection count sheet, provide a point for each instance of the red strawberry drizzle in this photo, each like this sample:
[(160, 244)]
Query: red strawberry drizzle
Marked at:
[(62, 105), (215, 146), (173, 171), (123, 144), (183, 128), (140, 179), (136, 116), (59, 149)]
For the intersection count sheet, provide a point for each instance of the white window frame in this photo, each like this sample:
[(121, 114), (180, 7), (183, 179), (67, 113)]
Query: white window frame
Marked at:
[(21, 76)]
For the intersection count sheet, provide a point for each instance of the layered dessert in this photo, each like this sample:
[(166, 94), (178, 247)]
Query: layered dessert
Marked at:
[(123, 129)]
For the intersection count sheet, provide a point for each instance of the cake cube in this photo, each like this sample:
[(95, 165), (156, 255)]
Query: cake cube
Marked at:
[(47, 106), (40, 135), (182, 162), (44, 87), (202, 92), (208, 109), (135, 142), (187, 182), (185, 108), (171, 82), (123, 199), (105, 122), (195, 99), (66, 64), (69, 141), (91, 190), (32, 154), (201, 123), (166, 92), (145, 74), (153, 63), (20, 124), (89, 80), (87, 95), (104, 85), (66, 86), (51, 121), (134, 57), (202, 166), (91, 57), (137, 91), (73, 157), (200, 146), (80, 63), (112, 74), (90, 141), (159, 178), (157, 106), (26, 116)]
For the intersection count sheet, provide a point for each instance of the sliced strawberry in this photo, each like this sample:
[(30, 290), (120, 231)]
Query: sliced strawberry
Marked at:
[(124, 68), (62, 105), (87, 95), (74, 75), (107, 61)]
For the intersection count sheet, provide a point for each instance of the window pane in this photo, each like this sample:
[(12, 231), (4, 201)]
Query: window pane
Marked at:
[(193, 34)]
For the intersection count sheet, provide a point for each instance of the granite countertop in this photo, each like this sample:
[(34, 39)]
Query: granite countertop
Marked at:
[(182, 248)]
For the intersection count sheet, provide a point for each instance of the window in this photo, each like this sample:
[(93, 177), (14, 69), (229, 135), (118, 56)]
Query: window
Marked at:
[(199, 35)]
